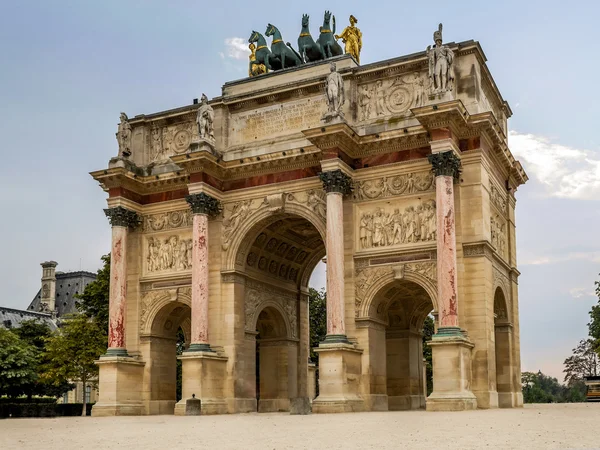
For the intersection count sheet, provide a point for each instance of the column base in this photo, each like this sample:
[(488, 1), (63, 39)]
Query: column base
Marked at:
[(452, 372), (242, 405), (203, 375), (336, 339), (202, 347), (404, 402), (116, 352), (339, 379), (120, 387)]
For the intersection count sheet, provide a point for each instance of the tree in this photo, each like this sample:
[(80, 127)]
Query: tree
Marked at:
[(36, 333), (583, 363), (428, 332), (317, 306), (594, 325), (71, 352), (540, 388), (17, 364), (93, 302)]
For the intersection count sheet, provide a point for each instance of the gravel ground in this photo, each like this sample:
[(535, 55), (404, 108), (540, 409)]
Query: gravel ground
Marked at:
[(539, 426)]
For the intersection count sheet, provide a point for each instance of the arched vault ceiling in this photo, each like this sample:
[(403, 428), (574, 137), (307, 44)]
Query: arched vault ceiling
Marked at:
[(285, 248), (402, 304)]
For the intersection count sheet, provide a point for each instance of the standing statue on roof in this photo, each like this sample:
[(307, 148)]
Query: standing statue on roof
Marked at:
[(335, 94), (124, 136), (205, 119), (352, 38), (441, 65)]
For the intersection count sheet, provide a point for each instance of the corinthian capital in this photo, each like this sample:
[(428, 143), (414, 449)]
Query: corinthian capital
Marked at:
[(445, 164), (204, 204), (122, 217), (336, 181)]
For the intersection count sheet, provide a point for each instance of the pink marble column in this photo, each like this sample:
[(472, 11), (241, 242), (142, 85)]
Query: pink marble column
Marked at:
[(202, 206), (446, 167), (121, 219), (336, 184)]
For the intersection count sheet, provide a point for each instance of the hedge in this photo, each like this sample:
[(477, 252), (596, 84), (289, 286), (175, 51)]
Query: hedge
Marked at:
[(27, 400), (42, 409)]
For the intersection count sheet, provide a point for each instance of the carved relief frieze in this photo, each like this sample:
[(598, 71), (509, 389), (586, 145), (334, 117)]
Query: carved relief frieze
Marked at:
[(149, 298), (313, 198), (167, 221), (392, 96), (386, 226), (498, 228), (171, 253), (410, 183), (365, 278), (258, 294), (426, 269), (234, 216), (497, 198)]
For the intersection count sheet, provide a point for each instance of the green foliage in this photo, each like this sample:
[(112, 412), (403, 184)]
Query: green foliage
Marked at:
[(71, 352), (583, 363), (540, 388), (317, 305), (42, 409), (17, 364), (93, 302), (428, 332), (36, 333), (180, 348), (594, 325)]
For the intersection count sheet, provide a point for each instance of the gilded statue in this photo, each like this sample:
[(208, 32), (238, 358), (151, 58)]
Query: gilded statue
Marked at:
[(352, 38), (441, 65), (254, 67)]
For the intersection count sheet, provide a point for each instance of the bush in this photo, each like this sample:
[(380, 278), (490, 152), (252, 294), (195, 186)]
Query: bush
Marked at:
[(42, 409), (27, 400)]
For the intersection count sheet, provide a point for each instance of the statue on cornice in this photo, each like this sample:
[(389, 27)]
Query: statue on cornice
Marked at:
[(334, 90), (352, 38), (124, 136), (205, 119), (441, 65)]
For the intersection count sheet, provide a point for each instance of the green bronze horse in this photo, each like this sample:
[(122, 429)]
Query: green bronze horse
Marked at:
[(308, 48), (263, 54), (285, 53), (328, 44)]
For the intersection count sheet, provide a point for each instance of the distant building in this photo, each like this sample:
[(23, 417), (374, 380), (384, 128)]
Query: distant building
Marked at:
[(54, 299)]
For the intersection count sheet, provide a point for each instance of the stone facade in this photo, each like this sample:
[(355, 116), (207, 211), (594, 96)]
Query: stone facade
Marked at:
[(409, 193)]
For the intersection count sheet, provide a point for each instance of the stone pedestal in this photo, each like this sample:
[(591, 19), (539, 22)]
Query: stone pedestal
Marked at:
[(120, 387), (312, 381), (452, 374), (339, 379), (203, 375)]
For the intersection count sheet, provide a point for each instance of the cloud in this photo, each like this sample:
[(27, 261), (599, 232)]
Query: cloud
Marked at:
[(565, 172), (581, 292), (593, 257), (236, 48)]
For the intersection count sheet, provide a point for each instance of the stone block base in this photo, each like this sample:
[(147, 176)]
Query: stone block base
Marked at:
[(376, 402), (242, 405), (452, 374), (404, 402), (300, 406), (203, 375), (266, 405), (339, 376), (160, 407), (119, 386)]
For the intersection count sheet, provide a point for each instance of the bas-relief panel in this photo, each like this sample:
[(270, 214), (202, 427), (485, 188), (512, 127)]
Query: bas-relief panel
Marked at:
[(410, 183), (166, 141), (167, 253), (167, 221), (257, 294), (392, 96), (498, 229), (276, 120), (390, 225)]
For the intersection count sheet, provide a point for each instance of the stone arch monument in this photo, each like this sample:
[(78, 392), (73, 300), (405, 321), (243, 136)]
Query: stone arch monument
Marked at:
[(406, 186)]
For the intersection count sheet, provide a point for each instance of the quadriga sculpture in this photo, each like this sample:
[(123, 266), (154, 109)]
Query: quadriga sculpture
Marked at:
[(327, 42), (308, 48), (286, 54), (263, 54)]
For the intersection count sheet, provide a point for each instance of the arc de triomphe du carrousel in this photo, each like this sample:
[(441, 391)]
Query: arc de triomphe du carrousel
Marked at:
[(396, 173)]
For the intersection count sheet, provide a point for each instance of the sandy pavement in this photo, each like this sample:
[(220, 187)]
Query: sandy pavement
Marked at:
[(539, 426)]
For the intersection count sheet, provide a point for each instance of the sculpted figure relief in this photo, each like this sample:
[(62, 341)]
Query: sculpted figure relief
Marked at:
[(398, 185), (382, 229), (205, 118), (498, 228), (334, 89), (124, 136), (441, 65), (172, 253), (352, 38), (239, 212)]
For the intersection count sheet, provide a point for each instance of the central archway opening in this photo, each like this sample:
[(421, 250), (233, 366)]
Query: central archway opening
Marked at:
[(402, 308), (277, 258)]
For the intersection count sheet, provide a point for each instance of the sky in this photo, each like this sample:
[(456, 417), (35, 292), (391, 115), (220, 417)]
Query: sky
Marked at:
[(69, 67)]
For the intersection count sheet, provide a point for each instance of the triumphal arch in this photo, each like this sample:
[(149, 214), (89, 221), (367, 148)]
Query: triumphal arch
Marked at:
[(396, 173)]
